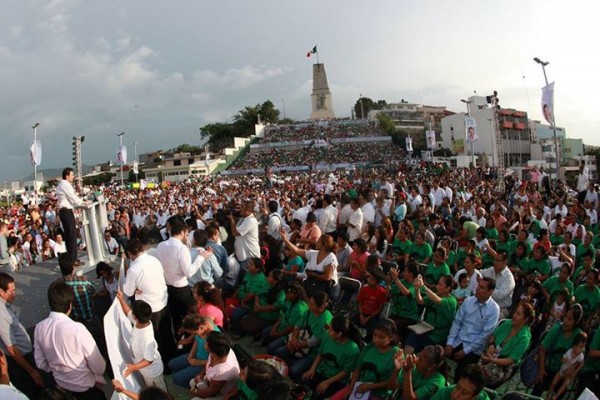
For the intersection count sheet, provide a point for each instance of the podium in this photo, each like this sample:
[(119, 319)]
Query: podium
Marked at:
[(94, 222)]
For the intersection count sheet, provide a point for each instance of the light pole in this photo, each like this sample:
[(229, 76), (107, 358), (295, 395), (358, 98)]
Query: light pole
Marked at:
[(120, 136), (283, 101), (468, 103), (362, 110), (493, 139), (543, 64), (35, 126)]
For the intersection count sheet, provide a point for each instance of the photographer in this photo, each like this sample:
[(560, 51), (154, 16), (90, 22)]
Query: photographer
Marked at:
[(246, 236)]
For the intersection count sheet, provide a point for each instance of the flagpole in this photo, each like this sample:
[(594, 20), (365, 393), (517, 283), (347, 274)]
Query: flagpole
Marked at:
[(317, 53)]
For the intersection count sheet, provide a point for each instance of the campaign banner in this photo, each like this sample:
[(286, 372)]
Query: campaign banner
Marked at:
[(409, 144), (430, 135), (35, 153), (471, 130), (548, 103), (122, 155)]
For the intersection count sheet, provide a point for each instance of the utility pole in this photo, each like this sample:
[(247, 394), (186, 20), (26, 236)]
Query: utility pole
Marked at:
[(543, 64)]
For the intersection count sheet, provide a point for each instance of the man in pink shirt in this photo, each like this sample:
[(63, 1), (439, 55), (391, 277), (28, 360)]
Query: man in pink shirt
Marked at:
[(67, 349)]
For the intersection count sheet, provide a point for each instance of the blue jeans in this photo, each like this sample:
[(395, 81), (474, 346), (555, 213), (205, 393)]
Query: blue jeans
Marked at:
[(276, 345), (236, 317), (183, 372)]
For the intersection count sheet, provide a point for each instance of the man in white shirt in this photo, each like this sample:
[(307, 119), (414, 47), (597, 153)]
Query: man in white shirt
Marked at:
[(275, 222), (505, 282), (355, 223), (59, 245), (176, 261), (67, 349), (367, 209), (438, 194), (145, 281), (330, 216), (66, 200), (246, 236), (111, 247)]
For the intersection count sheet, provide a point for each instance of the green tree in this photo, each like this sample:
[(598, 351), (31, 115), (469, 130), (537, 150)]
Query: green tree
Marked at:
[(363, 104), (186, 148), (98, 179), (386, 123)]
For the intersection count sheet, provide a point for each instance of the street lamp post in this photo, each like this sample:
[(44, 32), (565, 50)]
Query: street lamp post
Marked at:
[(468, 103), (543, 64), (362, 110), (35, 126), (120, 136), (283, 101)]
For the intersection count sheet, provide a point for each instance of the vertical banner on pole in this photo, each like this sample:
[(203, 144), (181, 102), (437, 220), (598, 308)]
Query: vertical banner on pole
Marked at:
[(430, 135), (548, 103), (471, 130), (122, 155), (35, 152), (409, 146)]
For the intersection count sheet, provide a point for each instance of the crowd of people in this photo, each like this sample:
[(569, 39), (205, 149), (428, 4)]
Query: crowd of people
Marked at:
[(311, 155), (365, 281), (311, 130)]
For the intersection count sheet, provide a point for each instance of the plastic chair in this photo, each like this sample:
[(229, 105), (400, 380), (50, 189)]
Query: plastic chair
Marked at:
[(349, 288)]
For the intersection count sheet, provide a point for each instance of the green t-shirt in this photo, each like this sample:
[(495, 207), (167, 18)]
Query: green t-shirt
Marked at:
[(253, 283), (434, 272), (452, 258), (376, 366), (337, 357), (588, 298), (556, 345), (292, 314), (446, 392), (553, 286), (516, 346), (514, 244), (404, 306), (542, 267), (593, 364), (420, 253), (279, 302), (245, 392), (582, 249), (402, 247), (424, 387), (317, 326), (491, 233), (471, 228), (506, 246), (441, 317), (556, 240), (297, 260)]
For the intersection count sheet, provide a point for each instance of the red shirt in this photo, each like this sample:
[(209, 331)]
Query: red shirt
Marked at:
[(370, 299)]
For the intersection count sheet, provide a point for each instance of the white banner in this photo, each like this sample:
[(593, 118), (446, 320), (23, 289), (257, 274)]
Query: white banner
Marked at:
[(136, 167), (548, 103), (430, 135), (35, 153), (471, 130), (409, 147), (122, 155)]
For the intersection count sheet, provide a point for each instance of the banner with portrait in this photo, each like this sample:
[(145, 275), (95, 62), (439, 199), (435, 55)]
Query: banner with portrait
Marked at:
[(430, 136), (471, 130), (409, 147), (122, 155), (548, 103)]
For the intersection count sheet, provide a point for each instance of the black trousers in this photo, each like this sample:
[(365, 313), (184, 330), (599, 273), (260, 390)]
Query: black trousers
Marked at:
[(164, 334), (23, 381), (67, 219), (90, 394), (462, 365), (180, 302)]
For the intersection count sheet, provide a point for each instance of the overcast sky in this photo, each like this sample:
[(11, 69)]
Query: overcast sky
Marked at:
[(159, 70)]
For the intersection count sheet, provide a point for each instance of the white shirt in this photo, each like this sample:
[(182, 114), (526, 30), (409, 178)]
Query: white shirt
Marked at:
[(344, 214), (274, 226), (146, 275), (368, 213), (59, 248), (356, 220), (472, 279), (312, 265), (505, 285), (246, 244), (176, 261), (144, 347), (66, 348), (438, 195), (110, 246), (330, 216), (9, 392), (66, 196)]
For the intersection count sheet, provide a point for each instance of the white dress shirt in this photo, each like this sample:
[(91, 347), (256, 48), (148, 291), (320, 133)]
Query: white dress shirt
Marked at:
[(176, 261), (246, 244), (66, 348), (146, 275), (505, 285), (330, 215), (66, 196)]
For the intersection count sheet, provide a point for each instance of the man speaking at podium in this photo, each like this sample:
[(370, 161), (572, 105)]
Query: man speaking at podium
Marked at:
[(66, 200)]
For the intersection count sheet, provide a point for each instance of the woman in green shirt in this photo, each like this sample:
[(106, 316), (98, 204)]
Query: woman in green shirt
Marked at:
[(401, 292), (420, 251), (375, 364), (335, 360), (440, 311), (254, 284), (436, 268), (585, 246), (266, 306), (507, 345), (557, 341), (422, 375), (302, 344), (590, 373), (401, 245), (503, 242), (490, 229), (293, 312)]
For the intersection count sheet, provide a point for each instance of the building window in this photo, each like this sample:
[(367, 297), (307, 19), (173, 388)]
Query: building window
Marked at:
[(176, 163)]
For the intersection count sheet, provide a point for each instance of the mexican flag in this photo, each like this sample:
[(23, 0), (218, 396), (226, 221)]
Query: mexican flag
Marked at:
[(311, 52)]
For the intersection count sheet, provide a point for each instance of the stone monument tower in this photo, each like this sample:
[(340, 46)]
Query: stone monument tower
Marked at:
[(322, 107)]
